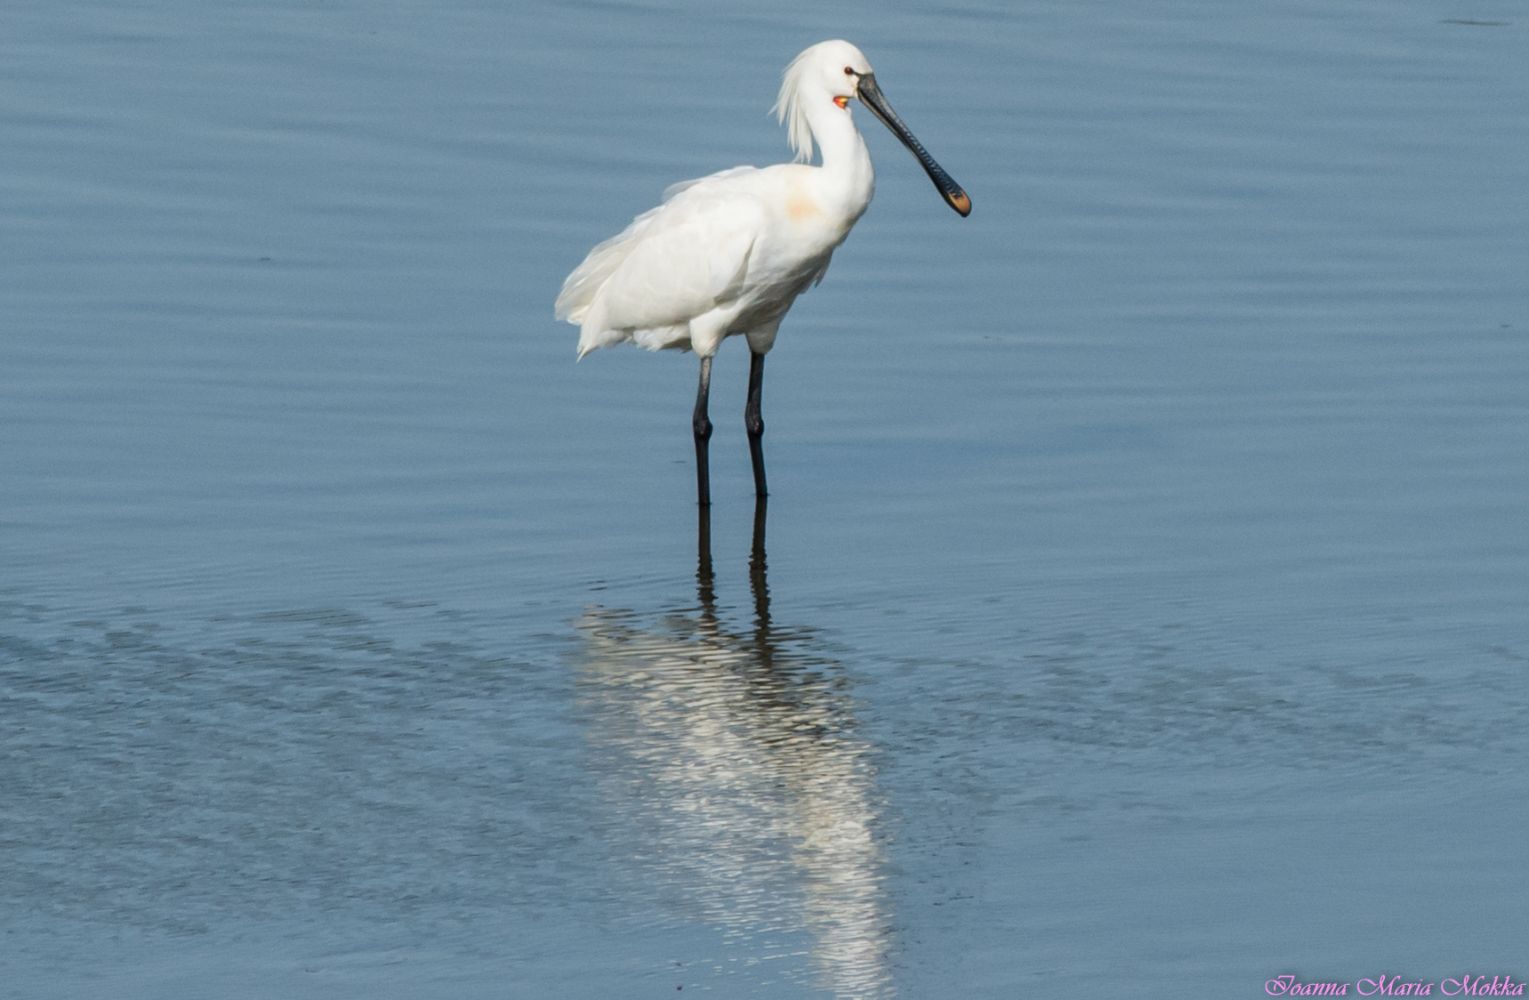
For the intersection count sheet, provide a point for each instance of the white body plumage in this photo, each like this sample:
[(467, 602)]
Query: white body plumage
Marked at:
[(729, 253)]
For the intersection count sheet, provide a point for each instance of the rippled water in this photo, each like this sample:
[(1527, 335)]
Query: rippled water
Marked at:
[(1141, 605)]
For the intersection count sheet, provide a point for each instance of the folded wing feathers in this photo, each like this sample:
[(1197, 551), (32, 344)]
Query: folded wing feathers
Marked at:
[(670, 264)]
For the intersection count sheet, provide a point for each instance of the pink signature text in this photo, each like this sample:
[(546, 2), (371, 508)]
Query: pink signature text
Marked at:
[(1386, 985)]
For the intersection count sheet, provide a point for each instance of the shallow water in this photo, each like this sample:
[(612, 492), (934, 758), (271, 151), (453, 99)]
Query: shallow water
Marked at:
[(1141, 605)]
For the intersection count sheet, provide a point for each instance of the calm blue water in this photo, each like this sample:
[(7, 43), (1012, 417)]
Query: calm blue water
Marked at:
[(1143, 603)]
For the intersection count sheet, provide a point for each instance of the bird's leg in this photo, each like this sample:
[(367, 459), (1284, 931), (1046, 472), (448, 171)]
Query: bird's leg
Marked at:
[(701, 424), (705, 578), (753, 421)]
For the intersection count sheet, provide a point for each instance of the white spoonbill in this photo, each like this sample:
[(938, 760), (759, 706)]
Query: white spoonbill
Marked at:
[(729, 253)]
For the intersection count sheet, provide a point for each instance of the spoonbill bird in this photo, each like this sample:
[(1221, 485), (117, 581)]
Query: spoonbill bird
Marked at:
[(729, 253)]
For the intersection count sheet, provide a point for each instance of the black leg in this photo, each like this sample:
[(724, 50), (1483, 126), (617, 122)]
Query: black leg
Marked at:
[(701, 424), (754, 422), (705, 579)]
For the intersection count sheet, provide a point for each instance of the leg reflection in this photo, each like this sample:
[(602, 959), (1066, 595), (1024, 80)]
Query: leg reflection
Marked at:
[(758, 583), (706, 575), (735, 776)]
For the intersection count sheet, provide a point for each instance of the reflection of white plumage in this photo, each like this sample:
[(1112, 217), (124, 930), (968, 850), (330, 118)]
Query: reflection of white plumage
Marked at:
[(736, 776), (729, 253)]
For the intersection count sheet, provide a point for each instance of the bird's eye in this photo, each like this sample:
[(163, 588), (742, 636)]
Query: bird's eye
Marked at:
[(849, 71)]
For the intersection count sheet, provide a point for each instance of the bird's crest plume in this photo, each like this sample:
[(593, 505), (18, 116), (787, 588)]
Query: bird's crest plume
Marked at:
[(789, 109)]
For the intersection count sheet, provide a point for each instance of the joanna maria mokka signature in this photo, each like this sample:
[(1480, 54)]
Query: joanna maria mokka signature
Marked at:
[(1396, 986)]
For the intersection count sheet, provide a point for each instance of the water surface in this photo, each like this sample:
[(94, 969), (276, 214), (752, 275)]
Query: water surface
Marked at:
[(1140, 608)]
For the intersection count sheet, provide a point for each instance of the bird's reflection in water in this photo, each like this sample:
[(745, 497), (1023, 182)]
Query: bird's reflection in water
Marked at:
[(732, 757)]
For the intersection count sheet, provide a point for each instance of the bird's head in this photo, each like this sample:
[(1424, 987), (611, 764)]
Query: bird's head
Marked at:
[(837, 68), (837, 71), (827, 71)]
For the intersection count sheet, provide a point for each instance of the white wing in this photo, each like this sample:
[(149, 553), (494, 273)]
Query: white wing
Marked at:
[(720, 175), (672, 264)]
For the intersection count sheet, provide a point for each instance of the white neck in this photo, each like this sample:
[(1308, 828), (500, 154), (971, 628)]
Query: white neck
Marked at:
[(845, 177)]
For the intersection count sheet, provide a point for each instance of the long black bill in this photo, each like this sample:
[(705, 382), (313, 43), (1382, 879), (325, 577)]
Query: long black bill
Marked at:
[(872, 97)]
